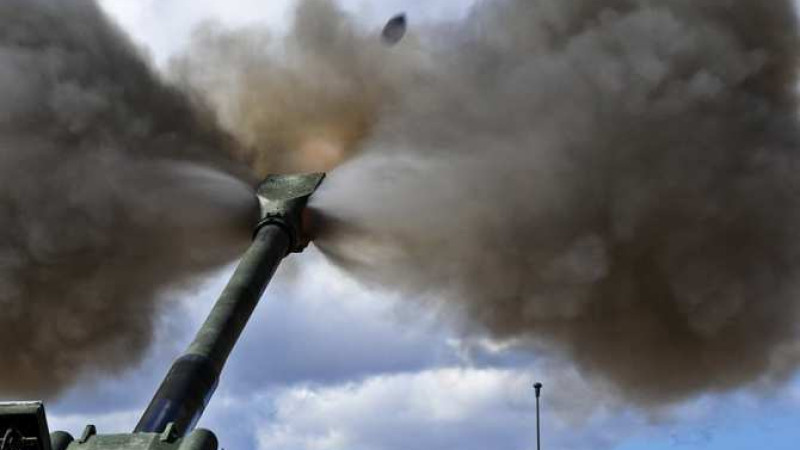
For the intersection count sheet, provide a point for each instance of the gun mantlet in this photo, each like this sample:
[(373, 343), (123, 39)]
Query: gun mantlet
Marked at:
[(283, 199)]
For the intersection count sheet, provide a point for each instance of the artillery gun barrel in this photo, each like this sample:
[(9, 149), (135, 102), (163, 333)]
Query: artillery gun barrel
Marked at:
[(189, 384), (169, 420), (193, 377)]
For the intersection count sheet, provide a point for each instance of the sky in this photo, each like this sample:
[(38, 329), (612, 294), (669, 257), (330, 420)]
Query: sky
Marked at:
[(326, 364)]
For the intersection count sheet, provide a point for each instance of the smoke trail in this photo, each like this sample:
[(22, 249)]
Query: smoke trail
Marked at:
[(113, 186), (615, 180)]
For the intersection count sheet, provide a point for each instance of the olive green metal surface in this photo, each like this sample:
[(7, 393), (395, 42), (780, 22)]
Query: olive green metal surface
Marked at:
[(199, 439), (227, 319)]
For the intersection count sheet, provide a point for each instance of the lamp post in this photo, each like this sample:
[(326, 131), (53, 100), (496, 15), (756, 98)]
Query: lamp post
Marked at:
[(538, 387)]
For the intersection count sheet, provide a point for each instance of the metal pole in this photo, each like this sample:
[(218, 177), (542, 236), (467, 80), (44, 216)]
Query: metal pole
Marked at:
[(538, 387)]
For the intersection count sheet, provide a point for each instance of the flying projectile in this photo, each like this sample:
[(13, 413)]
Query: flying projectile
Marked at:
[(395, 29)]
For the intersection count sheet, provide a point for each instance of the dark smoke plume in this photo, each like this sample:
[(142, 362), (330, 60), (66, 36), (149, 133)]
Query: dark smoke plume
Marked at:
[(617, 180), (613, 179), (113, 186)]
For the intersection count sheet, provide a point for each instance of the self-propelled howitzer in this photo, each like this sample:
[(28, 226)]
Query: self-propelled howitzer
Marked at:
[(169, 421)]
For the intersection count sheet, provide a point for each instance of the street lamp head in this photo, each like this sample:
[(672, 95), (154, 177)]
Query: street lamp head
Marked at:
[(538, 387)]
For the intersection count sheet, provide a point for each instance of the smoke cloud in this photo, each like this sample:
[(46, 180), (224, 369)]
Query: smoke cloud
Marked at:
[(615, 181), (302, 101), (113, 187), (611, 180)]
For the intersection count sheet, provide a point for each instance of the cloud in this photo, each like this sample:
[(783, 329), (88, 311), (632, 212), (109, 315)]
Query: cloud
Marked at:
[(316, 325), (164, 27), (97, 395), (441, 409)]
